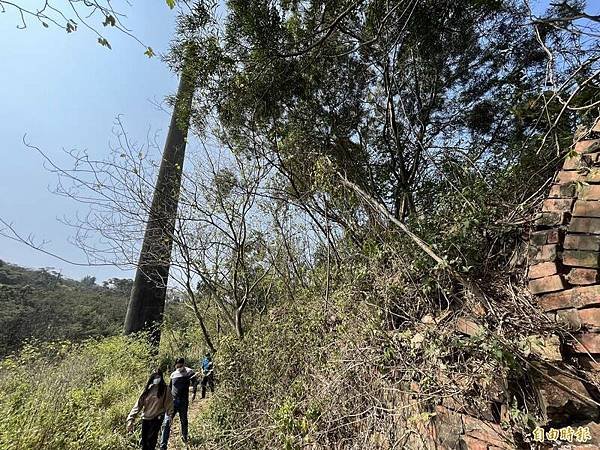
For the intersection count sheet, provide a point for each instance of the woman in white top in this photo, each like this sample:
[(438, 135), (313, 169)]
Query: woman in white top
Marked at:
[(155, 401)]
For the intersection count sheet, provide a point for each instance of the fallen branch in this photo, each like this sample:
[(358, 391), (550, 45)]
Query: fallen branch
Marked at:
[(469, 286)]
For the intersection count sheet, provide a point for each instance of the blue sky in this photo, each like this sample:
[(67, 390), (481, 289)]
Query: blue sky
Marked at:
[(64, 91)]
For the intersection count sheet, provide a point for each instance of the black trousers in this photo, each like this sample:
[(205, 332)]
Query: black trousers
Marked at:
[(150, 429), (210, 381)]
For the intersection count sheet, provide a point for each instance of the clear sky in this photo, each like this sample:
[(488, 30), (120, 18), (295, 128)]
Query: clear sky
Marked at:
[(64, 91)]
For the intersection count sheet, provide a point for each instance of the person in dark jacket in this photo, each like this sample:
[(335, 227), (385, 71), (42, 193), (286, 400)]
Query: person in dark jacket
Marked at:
[(208, 374), (181, 379), (155, 402)]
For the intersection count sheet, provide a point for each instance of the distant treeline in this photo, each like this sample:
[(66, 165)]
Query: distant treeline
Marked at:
[(41, 304)]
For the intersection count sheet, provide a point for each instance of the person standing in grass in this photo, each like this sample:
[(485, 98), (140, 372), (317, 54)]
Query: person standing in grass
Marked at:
[(181, 379), (155, 402), (208, 374)]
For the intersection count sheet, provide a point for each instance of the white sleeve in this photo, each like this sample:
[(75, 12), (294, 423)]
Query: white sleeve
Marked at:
[(134, 411)]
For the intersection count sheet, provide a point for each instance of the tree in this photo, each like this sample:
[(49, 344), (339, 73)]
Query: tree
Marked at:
[(223, 243), (408, 101), (122, 285), (88, 281), (378, 88)]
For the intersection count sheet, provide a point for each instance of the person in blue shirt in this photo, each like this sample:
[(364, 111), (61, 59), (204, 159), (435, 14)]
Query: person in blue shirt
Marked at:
[(179, 385), (208, 374)]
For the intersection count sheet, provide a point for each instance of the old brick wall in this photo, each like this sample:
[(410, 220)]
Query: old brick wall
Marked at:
[(563, 272), (565, 249)]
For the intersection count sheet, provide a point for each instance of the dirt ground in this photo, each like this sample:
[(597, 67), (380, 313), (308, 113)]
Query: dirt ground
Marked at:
[(175, 442)]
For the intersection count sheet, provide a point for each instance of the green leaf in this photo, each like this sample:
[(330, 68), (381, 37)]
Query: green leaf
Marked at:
[(149, 52), (171, 3), (110, 20), (102, 41)]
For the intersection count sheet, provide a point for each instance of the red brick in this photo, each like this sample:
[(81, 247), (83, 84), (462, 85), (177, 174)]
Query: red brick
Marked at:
[(587, 146), (593, 176), (589, 364), (454, 405), (488, 432), (587, 343), (542, 270), (588, 161), (538, 237), (591, 192), (590, 316), (569, 318), (580, 258), (470, 443), (448, 427), (566, 176), (582, 276), (468, 327), (551, 236), (557, 204), (549, 219), (543, 253), (567, 190), (585, 225), (546, 348), (555, 396), (552, 283), (586, 209), (572, 163), (572, 298), (478, 310), (556, 401), (582, 242)]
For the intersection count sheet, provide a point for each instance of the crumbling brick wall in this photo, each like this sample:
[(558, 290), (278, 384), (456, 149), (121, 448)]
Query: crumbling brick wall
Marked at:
[(564, 275), (563, 272), (565, 249)]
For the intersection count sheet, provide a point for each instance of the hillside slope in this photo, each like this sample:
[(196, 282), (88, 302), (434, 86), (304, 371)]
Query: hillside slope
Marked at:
[(41, 304)]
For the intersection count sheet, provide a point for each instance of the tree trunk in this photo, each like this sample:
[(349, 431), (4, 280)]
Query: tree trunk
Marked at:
[(239, 329), (205, 332), (147, 301)]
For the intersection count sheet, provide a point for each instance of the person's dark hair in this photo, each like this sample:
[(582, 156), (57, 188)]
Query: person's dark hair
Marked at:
[(162, 386), (180, 361)]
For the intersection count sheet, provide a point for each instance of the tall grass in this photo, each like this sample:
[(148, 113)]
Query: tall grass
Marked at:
[(63, 396)]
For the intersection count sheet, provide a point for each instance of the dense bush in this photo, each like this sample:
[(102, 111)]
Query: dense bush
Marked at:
[(264, 379), (324, 372)]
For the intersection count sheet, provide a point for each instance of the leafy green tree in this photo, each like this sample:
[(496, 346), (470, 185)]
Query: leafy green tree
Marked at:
[(36, 305), (122, 285), (88, 281), (429, 107)]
